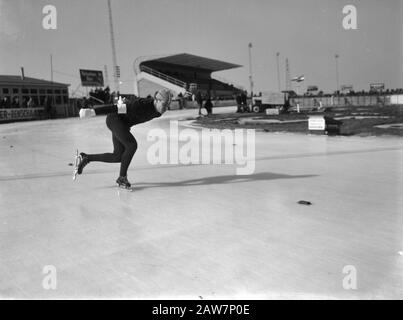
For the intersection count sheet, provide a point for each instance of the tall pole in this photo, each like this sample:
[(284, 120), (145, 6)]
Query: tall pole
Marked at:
[(114, 59), (250, 69), (106, 76), (278, 71), (51, 68), (298, 96), (337, 71), (51, 76), (287, 75)]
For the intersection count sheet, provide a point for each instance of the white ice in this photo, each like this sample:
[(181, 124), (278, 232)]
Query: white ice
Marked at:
[(199, 231)]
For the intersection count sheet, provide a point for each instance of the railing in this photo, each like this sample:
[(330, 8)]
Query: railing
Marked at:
[(163, 76)]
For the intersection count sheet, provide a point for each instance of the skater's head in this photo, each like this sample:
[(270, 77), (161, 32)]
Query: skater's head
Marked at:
[(162, 100)]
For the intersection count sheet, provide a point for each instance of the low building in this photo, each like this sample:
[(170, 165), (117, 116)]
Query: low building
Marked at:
[(23, 98)]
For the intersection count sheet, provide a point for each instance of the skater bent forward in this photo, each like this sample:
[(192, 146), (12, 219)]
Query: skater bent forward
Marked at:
[(120, 118)]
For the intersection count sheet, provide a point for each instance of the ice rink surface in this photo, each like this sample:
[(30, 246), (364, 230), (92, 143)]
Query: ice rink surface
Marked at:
[(200, 231)]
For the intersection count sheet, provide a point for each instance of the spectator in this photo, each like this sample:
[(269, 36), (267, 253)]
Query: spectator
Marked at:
[(238, 100), (107, 95), (199, 100), (181, 100), (244, 102), (6, 102), (16, 103), (31, 103), (24, 103), (209, 106), (48, 108)]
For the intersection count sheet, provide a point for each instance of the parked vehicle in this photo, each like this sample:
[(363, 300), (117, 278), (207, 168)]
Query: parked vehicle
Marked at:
[(272, 100)]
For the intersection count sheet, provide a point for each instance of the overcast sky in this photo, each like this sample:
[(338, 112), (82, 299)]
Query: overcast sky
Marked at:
[(308, 32)]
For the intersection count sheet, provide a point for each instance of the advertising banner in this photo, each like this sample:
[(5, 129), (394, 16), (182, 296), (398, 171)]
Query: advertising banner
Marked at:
[(91, 78)]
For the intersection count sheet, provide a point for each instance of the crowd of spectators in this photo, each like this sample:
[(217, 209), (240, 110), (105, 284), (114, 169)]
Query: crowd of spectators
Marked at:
[(28, 102), (7, 103), (102, 94)]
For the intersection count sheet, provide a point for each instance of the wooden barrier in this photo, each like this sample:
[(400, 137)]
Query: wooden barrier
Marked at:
[(348, 101)]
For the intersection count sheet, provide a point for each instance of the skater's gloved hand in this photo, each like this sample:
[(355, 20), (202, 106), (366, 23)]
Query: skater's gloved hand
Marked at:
[(87, 113), (121, 106)]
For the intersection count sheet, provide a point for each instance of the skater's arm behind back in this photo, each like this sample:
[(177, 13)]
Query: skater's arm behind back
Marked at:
[(120, 108), (110, 108), (98, 110), (105, 109)]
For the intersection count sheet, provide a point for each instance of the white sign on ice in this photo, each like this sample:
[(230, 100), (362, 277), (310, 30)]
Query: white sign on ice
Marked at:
[(316, 123)]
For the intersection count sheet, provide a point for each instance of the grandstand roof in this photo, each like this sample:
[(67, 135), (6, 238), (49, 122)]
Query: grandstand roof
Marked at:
[(17, 81), (188, 60)]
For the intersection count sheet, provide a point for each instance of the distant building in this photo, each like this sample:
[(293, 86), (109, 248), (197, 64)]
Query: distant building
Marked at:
[(19, 92)]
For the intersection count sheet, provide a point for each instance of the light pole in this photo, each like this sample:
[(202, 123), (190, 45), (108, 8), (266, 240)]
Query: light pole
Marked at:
[(250, 69), (51, 68), (116, 69), (278, 71), (336, 56)]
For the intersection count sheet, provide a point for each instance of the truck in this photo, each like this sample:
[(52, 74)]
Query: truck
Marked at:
[(271, 100)]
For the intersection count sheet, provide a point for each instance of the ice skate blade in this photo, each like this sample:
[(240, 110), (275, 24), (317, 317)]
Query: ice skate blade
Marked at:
[(124, 188), (76, 162)]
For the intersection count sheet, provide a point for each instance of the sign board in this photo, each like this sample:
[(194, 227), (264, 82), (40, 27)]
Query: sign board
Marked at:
[(91, 78), (272, 112), (117, 71), (347, 87), (377, 86), (316, 123), (20, 114)]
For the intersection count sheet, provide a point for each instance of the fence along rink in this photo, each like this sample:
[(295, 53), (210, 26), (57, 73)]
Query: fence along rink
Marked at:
[(348, 101)]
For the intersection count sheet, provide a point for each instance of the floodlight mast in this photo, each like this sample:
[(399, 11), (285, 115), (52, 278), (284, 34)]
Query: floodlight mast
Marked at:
[(114, 59)]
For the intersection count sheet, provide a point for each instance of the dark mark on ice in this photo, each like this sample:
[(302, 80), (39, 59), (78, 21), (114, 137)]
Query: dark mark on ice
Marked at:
[(307, 203)]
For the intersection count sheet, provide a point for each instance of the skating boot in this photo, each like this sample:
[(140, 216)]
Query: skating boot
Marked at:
[(123, 183), (81, 161)]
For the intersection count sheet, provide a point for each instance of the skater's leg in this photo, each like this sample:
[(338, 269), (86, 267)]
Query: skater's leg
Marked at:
[(112, 122), (125, 145), (130, 146), (114, 157)]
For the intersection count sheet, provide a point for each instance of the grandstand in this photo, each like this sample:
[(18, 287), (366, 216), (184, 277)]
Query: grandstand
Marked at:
[(182, 73)]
